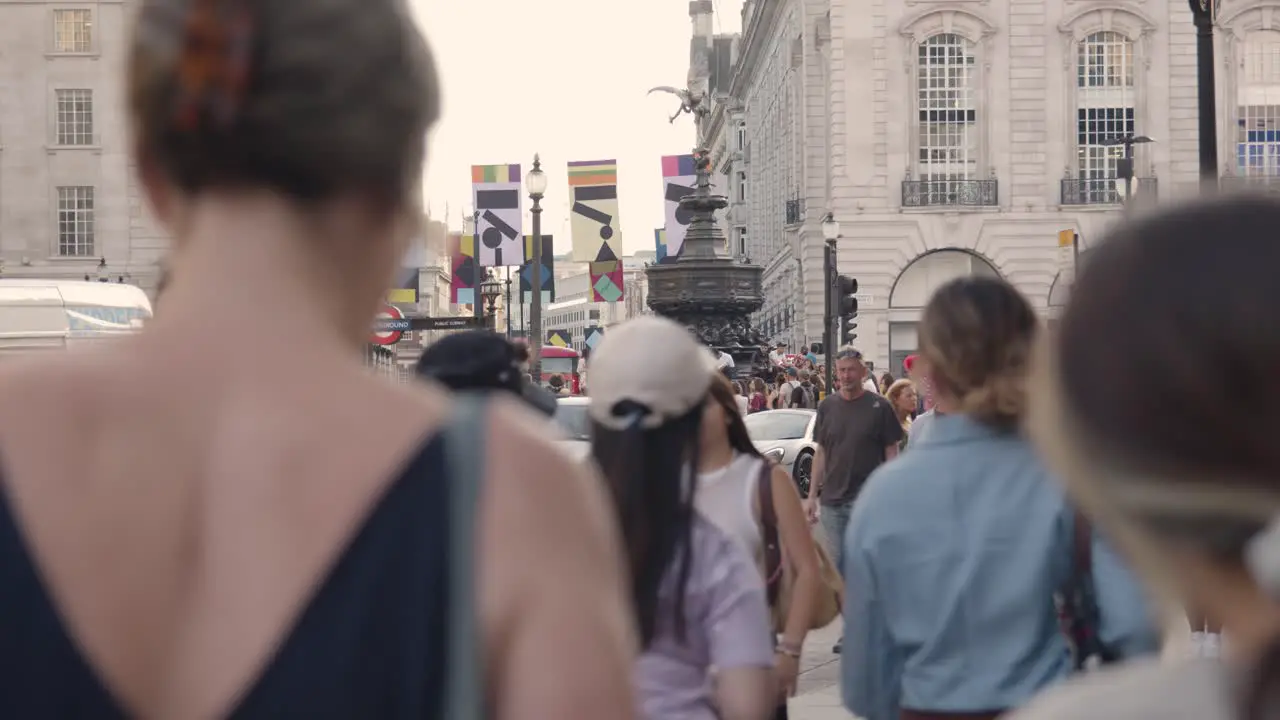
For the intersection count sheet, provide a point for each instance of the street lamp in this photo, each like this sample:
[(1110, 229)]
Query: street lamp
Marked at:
[(830, 233), (490, 289), (1124, 168), (536, 183)]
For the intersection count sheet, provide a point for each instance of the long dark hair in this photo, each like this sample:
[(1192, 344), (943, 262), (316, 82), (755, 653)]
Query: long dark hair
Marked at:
[(650, 474), (739, 438)]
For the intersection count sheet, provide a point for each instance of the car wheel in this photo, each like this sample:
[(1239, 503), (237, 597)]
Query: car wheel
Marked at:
[(802, 472)]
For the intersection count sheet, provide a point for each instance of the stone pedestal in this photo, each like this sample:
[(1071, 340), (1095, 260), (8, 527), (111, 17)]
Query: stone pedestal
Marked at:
[(706, 290)]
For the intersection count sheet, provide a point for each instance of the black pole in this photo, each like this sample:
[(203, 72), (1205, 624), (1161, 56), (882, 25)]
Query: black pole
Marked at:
[(828, 338), (507, 304), (1128, 174), (477, 275), (1207, 97)]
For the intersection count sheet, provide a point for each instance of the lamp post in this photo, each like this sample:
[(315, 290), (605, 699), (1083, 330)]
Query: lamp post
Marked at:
[(1204, 12), (506, 303), (1125, 166), (490, 289), (536, 183), (830, 233), (471, 226)]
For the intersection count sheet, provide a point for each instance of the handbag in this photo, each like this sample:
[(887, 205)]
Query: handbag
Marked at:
[(1077, 603), (464, 448), (779, 573)]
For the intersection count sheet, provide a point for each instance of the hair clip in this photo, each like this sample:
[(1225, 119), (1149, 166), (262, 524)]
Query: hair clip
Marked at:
[(216, 59)]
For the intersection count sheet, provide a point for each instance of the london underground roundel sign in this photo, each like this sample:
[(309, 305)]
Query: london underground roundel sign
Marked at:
[(388, 318)]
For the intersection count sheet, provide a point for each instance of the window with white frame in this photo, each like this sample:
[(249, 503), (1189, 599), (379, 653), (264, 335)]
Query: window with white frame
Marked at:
[(742, 186), (1104, 111), (742, 136), (75, 221), (742, 240), (946, 100), (1258, 105), (75, 117), (72, 31)]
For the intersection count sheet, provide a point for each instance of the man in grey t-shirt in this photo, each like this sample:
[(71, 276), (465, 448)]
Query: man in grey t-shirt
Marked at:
[(856, 431)]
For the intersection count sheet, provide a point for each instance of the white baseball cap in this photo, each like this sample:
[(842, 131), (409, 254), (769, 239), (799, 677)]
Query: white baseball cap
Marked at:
[(654, 363)]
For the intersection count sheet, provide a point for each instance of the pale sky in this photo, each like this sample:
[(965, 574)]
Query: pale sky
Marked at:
[(567, 79)]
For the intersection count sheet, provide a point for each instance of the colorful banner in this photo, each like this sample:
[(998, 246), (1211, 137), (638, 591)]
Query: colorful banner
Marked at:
[(497, 193), (548, 271), (593, 336), (560, 338), (462, 261), (678, 180), (594, 224), (606, 281), (660, 247)]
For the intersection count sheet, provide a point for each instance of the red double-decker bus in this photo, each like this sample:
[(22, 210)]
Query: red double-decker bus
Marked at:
[(565, 362)]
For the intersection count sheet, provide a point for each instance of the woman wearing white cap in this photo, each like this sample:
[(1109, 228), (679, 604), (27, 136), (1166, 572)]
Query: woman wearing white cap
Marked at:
[(699, 601)]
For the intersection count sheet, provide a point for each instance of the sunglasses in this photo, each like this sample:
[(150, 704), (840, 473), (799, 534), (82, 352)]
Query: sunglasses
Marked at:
[(849, 354)]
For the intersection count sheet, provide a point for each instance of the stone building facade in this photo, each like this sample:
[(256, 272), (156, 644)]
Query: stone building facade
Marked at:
[(68, 193), (953, 137)]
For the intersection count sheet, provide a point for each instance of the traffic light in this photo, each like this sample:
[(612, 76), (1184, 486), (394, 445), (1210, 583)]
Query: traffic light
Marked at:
[(847, 308)]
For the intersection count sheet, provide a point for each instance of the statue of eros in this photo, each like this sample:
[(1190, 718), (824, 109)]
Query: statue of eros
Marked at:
[(690, 102)]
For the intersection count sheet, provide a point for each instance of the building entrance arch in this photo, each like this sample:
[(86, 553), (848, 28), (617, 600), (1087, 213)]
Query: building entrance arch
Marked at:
[(915, 285)]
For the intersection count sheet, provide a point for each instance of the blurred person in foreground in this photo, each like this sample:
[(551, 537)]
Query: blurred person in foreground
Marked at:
[(192, 529), (1149, 438), (483, 360), (698, 598), (955, 550)]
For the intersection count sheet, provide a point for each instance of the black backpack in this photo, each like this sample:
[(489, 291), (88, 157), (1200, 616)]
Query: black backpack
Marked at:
[(802, 396)]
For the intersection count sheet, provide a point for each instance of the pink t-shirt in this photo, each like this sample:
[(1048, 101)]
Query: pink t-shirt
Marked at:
[(726, 626)]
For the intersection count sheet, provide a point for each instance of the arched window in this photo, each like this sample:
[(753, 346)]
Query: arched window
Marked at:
[(1258, 105), (947, 108), (1105, 109)]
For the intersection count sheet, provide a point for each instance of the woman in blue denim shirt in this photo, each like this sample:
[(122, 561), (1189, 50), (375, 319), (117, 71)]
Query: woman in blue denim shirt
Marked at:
[(955, 550)]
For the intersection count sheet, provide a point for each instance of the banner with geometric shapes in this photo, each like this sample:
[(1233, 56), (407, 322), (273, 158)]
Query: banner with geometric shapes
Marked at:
[(548, 271), (593, 220), (499, 223), (596, 230), (592, 336), (462, 263), (660, 247), (678, 180), (560, 338), (606, 281)]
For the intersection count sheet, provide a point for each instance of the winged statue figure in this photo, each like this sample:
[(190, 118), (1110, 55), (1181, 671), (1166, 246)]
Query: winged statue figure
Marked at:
[(690, 101)]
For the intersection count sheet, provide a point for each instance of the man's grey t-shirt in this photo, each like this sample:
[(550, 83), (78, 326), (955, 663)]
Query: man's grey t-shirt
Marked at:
[(853, 435)]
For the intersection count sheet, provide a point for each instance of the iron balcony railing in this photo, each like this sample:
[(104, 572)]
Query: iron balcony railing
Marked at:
[(1104, 191), (950, 193), (1254, 183), (795, 211)]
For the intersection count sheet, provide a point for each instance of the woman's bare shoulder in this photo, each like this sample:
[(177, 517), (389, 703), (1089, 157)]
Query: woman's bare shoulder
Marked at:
[(1140, 690)]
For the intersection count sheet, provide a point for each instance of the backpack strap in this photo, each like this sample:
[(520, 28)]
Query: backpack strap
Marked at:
[(464, 448), (769, 532), (1081, 545)]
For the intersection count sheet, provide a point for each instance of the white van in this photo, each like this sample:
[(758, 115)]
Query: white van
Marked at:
[(64, 314)]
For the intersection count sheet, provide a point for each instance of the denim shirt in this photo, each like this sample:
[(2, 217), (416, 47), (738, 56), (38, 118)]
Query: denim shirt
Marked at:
[(952, 557)]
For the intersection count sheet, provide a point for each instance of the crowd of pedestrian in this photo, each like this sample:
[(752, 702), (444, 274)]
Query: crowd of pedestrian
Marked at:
[(209, 535)]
